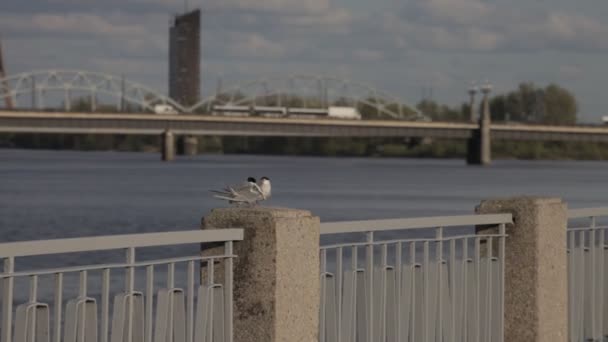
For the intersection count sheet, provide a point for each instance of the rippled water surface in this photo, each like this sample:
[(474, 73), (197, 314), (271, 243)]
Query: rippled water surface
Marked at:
[(48, 194)]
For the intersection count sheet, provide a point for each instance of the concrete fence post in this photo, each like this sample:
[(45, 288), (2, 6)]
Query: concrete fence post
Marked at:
[(276, 272), (536, 279), (167, 146)]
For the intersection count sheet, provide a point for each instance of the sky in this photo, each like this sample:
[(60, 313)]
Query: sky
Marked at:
[(399, 46)]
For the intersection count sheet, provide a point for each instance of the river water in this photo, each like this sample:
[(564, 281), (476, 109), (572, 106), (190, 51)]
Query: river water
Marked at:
[(52, 194)]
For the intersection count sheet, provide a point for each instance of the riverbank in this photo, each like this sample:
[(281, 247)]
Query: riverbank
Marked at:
[(330, 147)]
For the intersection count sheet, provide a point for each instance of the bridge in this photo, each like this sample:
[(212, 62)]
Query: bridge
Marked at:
[(135, 102), (199, 125)]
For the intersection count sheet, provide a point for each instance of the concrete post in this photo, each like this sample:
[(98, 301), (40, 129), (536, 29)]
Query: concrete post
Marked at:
[(190, 145), (276, 273), (485, 139), (536, 278), (167, 146), (479, 149)]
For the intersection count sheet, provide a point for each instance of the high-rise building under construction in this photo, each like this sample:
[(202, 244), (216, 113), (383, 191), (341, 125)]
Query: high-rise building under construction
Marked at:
[(185, 58)]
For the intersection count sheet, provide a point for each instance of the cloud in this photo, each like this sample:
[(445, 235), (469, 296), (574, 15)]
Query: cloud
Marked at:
[(450, 12), (72, 23), (273, 6), (473, 25), (253, 45)]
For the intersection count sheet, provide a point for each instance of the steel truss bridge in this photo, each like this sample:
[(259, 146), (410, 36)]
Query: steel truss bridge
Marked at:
[(46, 89)]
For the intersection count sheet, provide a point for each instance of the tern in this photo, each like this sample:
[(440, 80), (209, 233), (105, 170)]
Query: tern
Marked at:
[(249, 192)]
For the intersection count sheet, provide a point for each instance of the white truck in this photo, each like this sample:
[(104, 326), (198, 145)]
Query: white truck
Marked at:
[(350, 113), (164, 109)]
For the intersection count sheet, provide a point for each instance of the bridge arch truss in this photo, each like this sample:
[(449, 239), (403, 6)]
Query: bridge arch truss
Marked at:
[(39, 88), (311, 91)]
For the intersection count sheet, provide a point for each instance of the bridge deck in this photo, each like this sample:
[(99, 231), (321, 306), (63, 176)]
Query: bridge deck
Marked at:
[(99, 123)]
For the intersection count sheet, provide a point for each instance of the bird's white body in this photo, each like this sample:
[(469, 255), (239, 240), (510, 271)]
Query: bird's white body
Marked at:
[(265, 187), (248, 192)]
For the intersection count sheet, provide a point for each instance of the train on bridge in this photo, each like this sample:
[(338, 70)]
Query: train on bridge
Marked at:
[(332, 112)]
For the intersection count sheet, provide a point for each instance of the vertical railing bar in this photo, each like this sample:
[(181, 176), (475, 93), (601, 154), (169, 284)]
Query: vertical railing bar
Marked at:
[(465, 290), (439, 257), (211, 272), (323, 293), (82, 293), (355, 266), (452, 275), (149, 301), (582, 284), (33, 299), (105, 304), (7, 300), (413, 289), (426, 294), (477, 288), (190, 317), (370, 284), (33, 289), (323, 318), (490, 252), (171, 288), (229, 288), (58, 306), (600, 311), (323, 258), (130, 287), (339, 274), (398, 266), (501, 256), (592, 275), (383, 290), (571, 287), (171, 276)]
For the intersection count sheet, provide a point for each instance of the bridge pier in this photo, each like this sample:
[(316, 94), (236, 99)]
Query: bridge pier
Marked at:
[(167, 146), (187, 145), (479, 149)]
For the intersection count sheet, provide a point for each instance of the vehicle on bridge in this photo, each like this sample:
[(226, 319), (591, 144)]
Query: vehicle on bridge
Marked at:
[(344, 113), (165, 109), (348, 113), (605, 119)]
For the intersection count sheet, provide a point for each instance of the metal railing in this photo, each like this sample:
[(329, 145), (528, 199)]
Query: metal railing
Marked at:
[(587, 276), (161, 311), (443, 282)]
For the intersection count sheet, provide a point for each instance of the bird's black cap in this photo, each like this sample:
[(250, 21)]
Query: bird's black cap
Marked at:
[(251, 180), (265, 178)]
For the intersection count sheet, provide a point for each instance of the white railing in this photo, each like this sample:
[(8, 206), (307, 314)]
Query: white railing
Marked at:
[(199, 311), (442, 282), (587, 275)]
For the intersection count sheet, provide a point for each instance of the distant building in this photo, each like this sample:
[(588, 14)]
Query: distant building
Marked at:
[(185, 58), (8, 100)]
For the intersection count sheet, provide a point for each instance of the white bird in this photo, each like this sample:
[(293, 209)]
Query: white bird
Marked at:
[(250, 192), (265, 187)]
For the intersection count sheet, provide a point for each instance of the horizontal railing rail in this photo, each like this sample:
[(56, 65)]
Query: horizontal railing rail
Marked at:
[(587, 212), (186, 304), (587, 260), (413, 223), (413, 288), (97, 243)]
